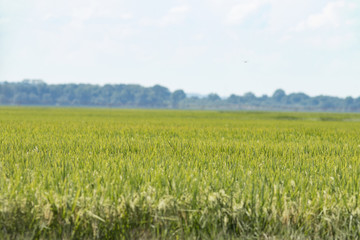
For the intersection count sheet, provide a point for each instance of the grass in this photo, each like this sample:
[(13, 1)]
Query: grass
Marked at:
[(123, 174)]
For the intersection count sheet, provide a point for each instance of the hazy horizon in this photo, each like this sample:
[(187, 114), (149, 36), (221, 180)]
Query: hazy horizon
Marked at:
[(223, 47), (188, 93)]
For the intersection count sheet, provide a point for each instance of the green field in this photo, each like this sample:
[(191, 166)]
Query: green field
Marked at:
[(143, 174)]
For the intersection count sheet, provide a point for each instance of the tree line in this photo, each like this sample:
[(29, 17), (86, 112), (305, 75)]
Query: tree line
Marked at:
[(37, 92)]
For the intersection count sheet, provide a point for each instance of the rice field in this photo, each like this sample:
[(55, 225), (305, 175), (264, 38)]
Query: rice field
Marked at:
[(68, 173)]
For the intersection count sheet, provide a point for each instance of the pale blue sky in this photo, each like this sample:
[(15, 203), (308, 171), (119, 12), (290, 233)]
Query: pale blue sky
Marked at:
[(199, 46)]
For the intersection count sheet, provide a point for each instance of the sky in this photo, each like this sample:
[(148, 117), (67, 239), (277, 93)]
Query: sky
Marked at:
[(200, 46)]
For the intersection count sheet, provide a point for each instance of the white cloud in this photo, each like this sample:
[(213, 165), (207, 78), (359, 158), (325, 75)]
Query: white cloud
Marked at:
[(84, 13), (80, 10), (286, 38), (240, 12), (199, 37), (179, 9), (126, 16), (175, 15), (330, 16), (4, 20), (189, 52), (327, 26), (331, 42)]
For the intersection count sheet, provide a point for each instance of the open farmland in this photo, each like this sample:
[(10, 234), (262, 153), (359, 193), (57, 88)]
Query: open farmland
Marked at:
[(106, 173)]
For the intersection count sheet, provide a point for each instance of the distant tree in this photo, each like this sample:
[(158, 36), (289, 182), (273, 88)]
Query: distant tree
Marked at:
[(100, 101), (278, 95), (7, 90), (212, 97), (264, 98), (249, 95), (72, 93), (143, 98), (326, 105), (296, 98), (4, 99), (130, 95), (234, 99), (47, 99), (106, 91), (349, 101), (249, 98), (176, 97), (33, 99), (116, 99), (64, 100), (83, 94), (159, 96), (356, 105), (314, 102), (21, 98)]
